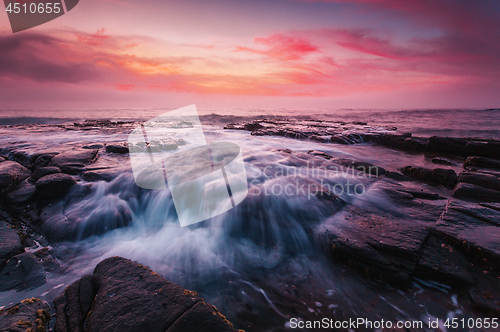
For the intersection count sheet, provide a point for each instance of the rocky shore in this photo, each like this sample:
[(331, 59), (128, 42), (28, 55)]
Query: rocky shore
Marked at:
[(443, 228), (454, 242)]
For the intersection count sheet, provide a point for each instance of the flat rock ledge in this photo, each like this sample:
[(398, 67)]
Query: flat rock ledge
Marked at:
[(360, 132), (125, 296)]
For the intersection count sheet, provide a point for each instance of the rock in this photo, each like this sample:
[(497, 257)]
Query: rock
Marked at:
[(482, 162), (483, 149), (93, 146), (474, 228), (446, 177), (10, 242), (54, 185), (360, 166), (72, 169), (11, 173), (42, 171), (101, 175), (474, 193), (117, 148), (2, 159), (442, 161), (23, 193), (22, 271), (485, 294), (41, 159), (58, 227), (397, 176), (449, 145), (483, 180), (75, 157), (125, 296), (29, 315), (319, 154), (443, 263)]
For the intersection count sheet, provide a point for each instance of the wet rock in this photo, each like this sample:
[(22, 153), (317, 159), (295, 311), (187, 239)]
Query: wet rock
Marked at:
[(449, 145), (485, 294), (489, 149), (10, 242), (445, 177), (399, 141), (29, 315), (72, 169), (475, 193), (443, 263), (2, 159), (125, 296), (49, 263), (117, 148), (54, 185), (41, 159), (93, 146), (397, 176), (360, 166), (475, 228), (11, 174), (22, 194), (442, 161), (42, 171), (101, 175), (75, 157), (379, 245), (22, 271), (482, 162), (483, 180), (58, 227)]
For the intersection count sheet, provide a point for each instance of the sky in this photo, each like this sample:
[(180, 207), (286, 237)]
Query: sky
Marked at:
[(301, 54)]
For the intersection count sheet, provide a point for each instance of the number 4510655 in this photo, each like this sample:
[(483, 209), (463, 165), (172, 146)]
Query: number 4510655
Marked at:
[(34, 8)]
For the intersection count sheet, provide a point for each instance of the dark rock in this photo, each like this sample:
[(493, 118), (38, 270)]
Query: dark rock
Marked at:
[(474, 228), (446, 177), (54, 185), (483, 149), (93, 146), (483, 180), (442, 161), (441, 262), (75, 157), (482, 162), (449, 145), (125, 296), (101, 175), (22, 271), (11, 174), (476, 193), (21, 157), (42, 171), (319, 154), (23, 193), (29, 315), (397, 176), (41, 159), (117, 148), (72, 169), (49, 263), (58, 227), (360, 166), (10, 242), (485, 294)]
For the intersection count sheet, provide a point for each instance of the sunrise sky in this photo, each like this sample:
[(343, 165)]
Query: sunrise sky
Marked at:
[(258, 53)]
